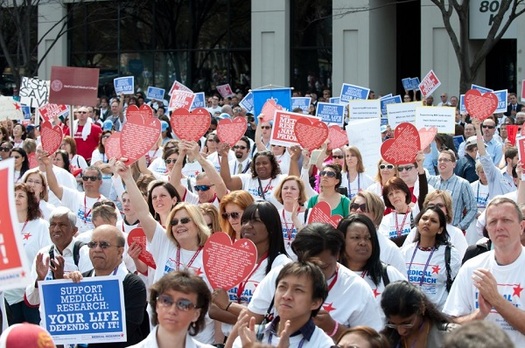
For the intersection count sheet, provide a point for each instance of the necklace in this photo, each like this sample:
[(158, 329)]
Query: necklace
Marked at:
[(289, 230), (399, 229)]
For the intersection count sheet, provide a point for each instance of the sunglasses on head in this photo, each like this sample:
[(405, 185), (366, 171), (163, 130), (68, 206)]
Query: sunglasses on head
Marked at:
[(183, 221), (87, 177), (327, 173), (182, 304), (407, 168), (202, 187), (355, 206), (102, 245), (234, 215), (107, 203), (386, 166)]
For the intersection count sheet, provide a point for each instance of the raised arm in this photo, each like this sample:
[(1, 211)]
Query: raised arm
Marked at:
[(209, 169), (422, 176), (50, 176), (231, 182), (176, 173), (258, 134), (148, 223), (295, 156)]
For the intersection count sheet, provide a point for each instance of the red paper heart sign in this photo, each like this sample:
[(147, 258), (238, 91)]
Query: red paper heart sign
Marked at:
[(51, 137), (322, 212), (269, 108), (426, 135), (403, 148), (138, 136), (512, 131), (145, 110), (137, 235), (480, 106), (190, 125), (311, 134), (230, 131), (337, 136), (112, 146), (227, 264)]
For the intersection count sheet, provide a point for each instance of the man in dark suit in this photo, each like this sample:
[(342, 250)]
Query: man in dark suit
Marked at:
[(513, 107)]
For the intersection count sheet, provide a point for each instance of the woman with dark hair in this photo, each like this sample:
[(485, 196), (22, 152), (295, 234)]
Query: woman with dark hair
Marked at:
[(261, 224), (412, 319), (330, 180), (21, 163), (432, 262), (162, 197), (100, 159), (70, 146), (179, 302), (263, 178), (19, 135), (35, 236), (61, 160), (362, 251), (350, 301), (362, 337)]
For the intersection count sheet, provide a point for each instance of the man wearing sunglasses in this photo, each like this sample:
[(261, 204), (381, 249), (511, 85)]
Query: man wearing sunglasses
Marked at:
[(81, 203), (86, 133), (242, 161), (493, 145)]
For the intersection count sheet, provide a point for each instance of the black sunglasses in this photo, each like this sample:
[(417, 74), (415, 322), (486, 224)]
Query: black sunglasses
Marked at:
[(169, 161), (338, 156), (202, 187), (87, 177), (240, 147), (5, 149), (327, 173), (234, 215), (355, 206), (102, 245), (183, 221)]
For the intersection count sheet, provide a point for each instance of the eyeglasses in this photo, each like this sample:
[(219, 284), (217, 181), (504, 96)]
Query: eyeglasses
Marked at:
[(234, 215), (101, 203), (16, 157), (439, 205), (183, 221), (386, 166), (5, 149), (407, 168), (444, 160), (183, 304), (202, 187), (338, 156), (240, 147), (31, 181), (355, 206), (170, 161), (489, 127), (327, 173), (82, 112), (102, 245), (403, 326), (92, 178), (266, 127)]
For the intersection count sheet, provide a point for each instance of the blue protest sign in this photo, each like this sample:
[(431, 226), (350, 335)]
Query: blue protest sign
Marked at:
[(282, 96), (481, 89), (302, 103), (458, 139), (91, 311), (26, 110), (502, 100), (462, 107), (124, 85), (198, 101), (155, 93), (389, 100), (247, 102), (352, 92), (330, 113), (406, 83), (334, 100), (414, 83)]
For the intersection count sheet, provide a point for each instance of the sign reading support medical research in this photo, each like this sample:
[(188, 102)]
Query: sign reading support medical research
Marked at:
[(14, 267), (352, 92), (73, 86), (124, 85), (91, 311)]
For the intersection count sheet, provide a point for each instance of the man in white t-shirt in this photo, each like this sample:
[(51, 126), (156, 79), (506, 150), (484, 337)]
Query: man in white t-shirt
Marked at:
[(489, 286)]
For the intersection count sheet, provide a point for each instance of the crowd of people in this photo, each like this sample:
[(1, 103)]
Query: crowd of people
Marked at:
[(426, 252)]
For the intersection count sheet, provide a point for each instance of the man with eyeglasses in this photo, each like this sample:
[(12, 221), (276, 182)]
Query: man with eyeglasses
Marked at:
[(81, 203), (106, 250), (409, 174), (493, 145), (242, 161), (86, 133), (465, 205)]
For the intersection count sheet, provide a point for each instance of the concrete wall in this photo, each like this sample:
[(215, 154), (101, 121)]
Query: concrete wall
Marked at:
[(49, 13)]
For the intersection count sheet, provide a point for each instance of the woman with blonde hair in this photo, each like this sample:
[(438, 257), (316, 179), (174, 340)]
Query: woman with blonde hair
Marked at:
[(355, 179), (231, 208), (291, 194), (211, 216), (385, 171)]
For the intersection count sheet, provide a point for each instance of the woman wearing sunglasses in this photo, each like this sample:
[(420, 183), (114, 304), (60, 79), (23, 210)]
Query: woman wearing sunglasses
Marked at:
[(385, 171), (330, 180), (362, 254), (412, 319), (261, 224), (179, 303), (231, 208)]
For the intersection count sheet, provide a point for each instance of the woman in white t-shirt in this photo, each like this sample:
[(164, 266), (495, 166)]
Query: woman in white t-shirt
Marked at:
[(38, 183)]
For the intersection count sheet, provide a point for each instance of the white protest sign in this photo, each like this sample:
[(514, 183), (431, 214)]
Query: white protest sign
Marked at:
[(402, 112), (429, 84), (443, 118), (364, 109), (34, 92), (366, 135)]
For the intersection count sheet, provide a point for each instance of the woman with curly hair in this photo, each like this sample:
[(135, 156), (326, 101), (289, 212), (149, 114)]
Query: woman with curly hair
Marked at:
[(35, 236)]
